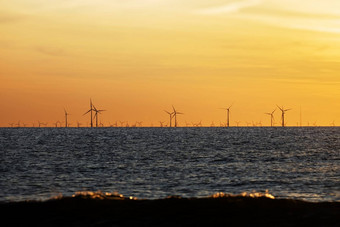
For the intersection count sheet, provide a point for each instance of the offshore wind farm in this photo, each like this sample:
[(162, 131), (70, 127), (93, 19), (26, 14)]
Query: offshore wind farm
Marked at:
[(169, 113), (172, 121)]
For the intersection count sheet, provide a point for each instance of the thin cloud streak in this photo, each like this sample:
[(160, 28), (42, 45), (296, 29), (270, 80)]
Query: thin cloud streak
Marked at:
[(229, 8), (57, 52), (288, 14), (10, 17), (297, 23)]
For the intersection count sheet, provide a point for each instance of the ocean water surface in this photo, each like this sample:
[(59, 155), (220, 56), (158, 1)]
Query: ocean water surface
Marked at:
[(151, 163)]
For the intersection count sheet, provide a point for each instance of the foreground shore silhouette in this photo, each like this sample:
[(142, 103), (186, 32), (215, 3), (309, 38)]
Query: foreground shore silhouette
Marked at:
[(116, 210)]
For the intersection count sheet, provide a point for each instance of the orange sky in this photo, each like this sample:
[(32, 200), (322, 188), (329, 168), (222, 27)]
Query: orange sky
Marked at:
[(137, 58)]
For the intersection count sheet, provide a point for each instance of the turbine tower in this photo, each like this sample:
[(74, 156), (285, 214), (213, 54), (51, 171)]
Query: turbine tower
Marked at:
[(96, 114), (175, 115), (228, 114), (171, 116), (283, 111), (271, 117), (90, 111), (66, 114)]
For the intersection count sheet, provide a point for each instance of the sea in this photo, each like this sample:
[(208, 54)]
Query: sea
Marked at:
[(154, 163)]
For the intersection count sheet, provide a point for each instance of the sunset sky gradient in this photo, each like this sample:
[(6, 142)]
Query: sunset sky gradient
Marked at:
[(136, 58)]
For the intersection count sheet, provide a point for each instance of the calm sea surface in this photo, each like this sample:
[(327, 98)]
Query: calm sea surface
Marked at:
[(38, 163)]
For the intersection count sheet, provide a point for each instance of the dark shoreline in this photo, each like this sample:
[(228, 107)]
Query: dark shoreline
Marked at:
[(227, 211)]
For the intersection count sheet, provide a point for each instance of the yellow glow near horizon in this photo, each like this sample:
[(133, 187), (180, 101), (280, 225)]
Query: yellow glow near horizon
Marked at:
[(137, 58)]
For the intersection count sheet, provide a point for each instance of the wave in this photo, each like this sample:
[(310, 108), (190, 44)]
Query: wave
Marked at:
[(88, 208), (117, 196)]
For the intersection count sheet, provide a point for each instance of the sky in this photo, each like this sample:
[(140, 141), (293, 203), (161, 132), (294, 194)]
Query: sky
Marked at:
[(137, 58)]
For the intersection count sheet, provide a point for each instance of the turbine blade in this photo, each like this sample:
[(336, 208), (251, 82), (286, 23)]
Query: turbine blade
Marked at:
[(87, 112), (174, 109), (279, 107)]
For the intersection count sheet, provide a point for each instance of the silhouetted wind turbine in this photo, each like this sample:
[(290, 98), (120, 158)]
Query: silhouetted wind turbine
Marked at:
[(56, 123), (96, 114), (66, 114), (175, 115), (90, 111), (228, 114), (161, 123), (283, 111), (18, 124), (171, 116), (271, 117)]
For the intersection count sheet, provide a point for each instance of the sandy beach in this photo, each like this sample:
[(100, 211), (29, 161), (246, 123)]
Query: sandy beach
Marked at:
[(173, 211)]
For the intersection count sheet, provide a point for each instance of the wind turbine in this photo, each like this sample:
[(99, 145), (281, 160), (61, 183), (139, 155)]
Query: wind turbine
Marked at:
[(175, 115), (170, 114), (228, 114), (271, 117), (96, 114), (56, 123), (161, 123), (66, 114), (90, 111), (283, 111)]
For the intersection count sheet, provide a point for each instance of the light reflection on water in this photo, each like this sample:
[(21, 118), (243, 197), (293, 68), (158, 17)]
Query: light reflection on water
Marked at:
[(38, 163)]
